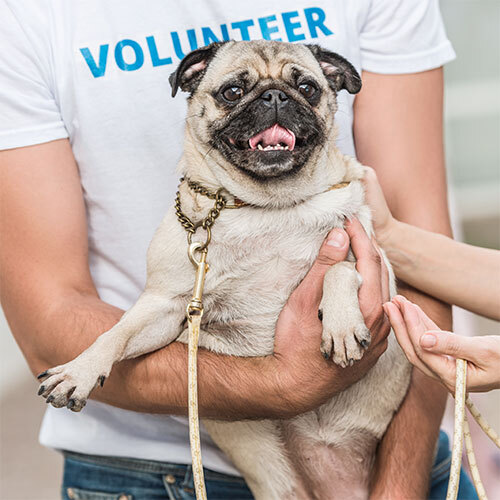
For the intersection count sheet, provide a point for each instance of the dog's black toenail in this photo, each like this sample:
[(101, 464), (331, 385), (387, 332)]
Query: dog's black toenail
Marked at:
[(364, 343), (50, 399), (320, 314), (102, 378), (325, 355), (41, 390), (43, 374), (71, 403)]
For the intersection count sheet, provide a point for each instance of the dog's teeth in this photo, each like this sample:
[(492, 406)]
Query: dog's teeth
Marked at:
[(259, 146), (286, 147)]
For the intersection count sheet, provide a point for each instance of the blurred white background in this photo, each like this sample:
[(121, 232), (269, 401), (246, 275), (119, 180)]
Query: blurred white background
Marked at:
[(472, 111)]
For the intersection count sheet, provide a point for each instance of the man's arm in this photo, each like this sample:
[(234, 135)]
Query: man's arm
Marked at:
[(54, 310), (398, 132)]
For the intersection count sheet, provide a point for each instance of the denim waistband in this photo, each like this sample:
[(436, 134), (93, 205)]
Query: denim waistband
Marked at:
[(148, 466), (441, 463)]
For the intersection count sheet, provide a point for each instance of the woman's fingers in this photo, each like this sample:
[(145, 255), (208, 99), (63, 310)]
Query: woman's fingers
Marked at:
[(435, 364), (400, 329), (450, 344), (429, 324)]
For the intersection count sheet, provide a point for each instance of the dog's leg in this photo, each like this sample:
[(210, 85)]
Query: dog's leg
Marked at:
[(345, 335), (153, 322), (256, 449)]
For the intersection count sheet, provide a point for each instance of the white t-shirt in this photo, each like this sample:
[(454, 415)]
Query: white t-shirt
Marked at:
[(97, 72)]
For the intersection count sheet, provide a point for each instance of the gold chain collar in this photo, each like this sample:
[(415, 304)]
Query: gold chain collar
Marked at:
[(208, 221), (221, 202)]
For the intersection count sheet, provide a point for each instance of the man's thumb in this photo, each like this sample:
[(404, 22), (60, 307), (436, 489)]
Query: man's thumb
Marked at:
[(334, 249)]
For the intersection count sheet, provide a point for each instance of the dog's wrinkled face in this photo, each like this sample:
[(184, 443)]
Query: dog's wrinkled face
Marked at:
[(264, 107)]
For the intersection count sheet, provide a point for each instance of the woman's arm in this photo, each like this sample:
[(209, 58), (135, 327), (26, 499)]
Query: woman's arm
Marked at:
[(454, 272)]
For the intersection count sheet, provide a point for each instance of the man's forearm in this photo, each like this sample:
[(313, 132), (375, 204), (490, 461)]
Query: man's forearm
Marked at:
[(231, 387), (405, 455)]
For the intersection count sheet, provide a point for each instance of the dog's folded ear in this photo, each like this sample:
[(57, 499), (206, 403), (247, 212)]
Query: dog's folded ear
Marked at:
[(339, 72), (192, 68)]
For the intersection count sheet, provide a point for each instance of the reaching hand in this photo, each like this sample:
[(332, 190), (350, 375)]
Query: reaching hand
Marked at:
[(433, 351)]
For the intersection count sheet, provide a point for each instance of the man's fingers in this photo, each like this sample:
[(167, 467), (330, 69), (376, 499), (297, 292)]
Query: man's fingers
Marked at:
[(384, 275), (368, 263), (334, 249)]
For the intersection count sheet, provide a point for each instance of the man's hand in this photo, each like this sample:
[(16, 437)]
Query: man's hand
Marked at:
[(305, 379), (294, 379)]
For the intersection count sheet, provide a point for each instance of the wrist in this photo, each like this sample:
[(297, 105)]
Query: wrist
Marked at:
[(293, 389), (281, 394), (389, 233)]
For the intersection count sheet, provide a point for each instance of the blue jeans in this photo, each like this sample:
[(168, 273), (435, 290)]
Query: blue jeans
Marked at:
[(111, 478)]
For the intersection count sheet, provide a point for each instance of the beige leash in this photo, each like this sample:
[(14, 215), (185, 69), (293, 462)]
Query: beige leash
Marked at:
[(462, 432), (194, 313), (197, 252)]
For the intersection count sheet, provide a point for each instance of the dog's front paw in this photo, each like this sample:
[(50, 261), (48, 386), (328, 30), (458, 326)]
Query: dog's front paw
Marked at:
[(345, 335), (344, 343), (70, 384)]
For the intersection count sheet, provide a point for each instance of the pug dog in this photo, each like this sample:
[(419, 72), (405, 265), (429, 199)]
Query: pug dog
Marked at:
[(264, 135)]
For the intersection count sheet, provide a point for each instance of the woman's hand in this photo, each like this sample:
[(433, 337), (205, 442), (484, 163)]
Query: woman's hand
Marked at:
[(433, 351)]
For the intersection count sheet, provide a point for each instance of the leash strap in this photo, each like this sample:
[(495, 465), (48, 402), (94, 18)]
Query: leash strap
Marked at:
[(194, 313), (194, 423), (458, 433), (462, 433)]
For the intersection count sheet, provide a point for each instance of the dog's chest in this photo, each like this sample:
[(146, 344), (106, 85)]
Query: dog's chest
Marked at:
[(256, 261)]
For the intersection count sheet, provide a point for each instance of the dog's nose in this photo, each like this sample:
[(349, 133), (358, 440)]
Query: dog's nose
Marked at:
[(274, 98)]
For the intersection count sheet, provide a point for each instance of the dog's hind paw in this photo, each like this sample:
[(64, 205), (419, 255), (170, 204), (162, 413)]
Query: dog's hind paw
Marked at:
[(71, 384)]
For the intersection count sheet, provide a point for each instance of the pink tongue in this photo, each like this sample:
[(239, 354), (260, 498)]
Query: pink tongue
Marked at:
[(273, 136)]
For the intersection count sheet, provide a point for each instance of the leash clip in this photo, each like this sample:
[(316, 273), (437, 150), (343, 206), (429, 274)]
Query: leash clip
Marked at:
[(195, 305)]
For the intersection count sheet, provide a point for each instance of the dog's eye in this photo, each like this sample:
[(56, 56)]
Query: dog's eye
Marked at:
[(307, 90), (232, 94)]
